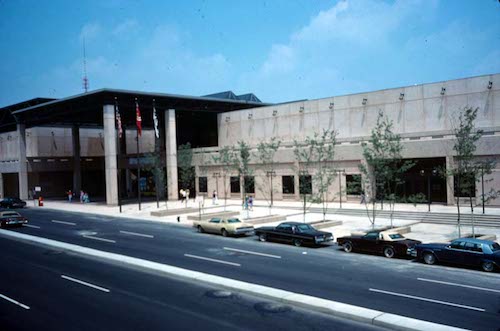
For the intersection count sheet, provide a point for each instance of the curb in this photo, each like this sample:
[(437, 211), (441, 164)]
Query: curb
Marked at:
[(338, 309)]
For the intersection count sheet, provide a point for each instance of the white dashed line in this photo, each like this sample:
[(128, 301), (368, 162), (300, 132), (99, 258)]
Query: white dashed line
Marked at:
[(63, 222), (212, 260), (14, 301), (428, 300), (460, 285), (137, 234), (101, 239), (250, 252), (31, 226), (85, 283)]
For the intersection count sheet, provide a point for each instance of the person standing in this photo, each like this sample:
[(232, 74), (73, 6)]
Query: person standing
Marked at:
[(70, 196), (81, 196), (250, 202)]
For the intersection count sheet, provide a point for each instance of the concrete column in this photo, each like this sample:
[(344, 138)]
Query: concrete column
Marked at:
[(171, 154), (450, 182), (23, 164), (1, 186), (197, 179), (108, 112), (128, 182), (77, 170)]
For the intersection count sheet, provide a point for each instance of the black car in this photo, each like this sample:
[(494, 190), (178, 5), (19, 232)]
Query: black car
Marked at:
[(12, 203), (11, 218), (464, 251), (294, 233), (387, 242)]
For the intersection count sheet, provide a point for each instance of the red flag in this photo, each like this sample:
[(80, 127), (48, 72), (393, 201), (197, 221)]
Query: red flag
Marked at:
[(138, 119)]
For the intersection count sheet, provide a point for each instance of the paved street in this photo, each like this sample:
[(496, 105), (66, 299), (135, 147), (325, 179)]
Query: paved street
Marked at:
[(465, 298), (55, 290)]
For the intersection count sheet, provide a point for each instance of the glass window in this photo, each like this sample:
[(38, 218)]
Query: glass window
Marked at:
[(396, 236), (458, 244), (353, 184), (285, 228), (304, 227), (371, 235), (495, 247), (202, 184), (288, 183), (233, 220), (215, 220), (235, 184), (249, 184), (305, 183)]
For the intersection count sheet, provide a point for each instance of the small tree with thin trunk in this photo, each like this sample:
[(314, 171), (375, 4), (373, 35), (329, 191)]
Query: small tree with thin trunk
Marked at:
[(185, 164), (317, 152), (226, 160), (384, 168), (266, 152), (467, 169), (241, 162)]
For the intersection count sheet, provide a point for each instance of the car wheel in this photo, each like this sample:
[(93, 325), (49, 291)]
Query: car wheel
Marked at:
[(297, 242), (487, 266), (224, 233), (262, 237), (347, 247), (389, 252), (200, 229), (429, 258)]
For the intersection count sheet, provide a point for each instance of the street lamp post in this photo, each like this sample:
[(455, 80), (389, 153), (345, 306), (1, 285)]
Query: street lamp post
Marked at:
[(429, 176), (340, 184), (271, 174), (482, 185)]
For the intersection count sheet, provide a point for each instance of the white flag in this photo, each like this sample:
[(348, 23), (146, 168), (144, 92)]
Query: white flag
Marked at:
[(155, 120)]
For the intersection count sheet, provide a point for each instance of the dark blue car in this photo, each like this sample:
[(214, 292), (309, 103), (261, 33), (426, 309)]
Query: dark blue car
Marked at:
[(464, 251)]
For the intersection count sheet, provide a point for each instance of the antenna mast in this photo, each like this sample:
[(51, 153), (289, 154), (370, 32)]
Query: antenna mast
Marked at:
[(85, 79)]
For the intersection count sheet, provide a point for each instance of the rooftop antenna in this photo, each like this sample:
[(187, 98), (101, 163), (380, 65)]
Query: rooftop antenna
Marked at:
[(85, 79)]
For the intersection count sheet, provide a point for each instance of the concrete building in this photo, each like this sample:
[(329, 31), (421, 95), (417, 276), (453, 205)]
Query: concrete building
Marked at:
[(72, 143)]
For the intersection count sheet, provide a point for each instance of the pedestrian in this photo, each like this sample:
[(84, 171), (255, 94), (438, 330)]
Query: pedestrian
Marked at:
[(214, 195), (81, 196), (250, 202), (183, 195), (216, 198), (245, 203), (363, 198), (70, 196), (86, 197)]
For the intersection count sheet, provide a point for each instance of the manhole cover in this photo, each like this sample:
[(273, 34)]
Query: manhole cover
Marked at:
[(271, 307), (219, 294)]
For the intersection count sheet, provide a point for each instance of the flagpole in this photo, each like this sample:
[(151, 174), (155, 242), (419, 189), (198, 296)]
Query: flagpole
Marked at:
[(118, 156), (138, 160), (157, 150)]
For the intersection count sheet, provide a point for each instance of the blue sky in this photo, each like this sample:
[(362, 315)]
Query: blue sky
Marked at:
[(281, 50)]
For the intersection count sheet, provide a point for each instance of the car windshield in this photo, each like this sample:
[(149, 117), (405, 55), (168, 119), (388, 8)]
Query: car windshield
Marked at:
[(495, 247), (396, 236), (304, 227), (233, 220)]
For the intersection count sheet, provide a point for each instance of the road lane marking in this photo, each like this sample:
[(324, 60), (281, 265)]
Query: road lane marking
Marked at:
[(101, 239), (250, 252), (14, 301), (85, 283), (460, 285), (31, 226), (428, 300), (63, 222), (137, 234), (212, 260)]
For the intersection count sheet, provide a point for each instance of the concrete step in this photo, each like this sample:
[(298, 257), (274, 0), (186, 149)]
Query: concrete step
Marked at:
[(207, 216), (325, 224), (174, 212), (266, 219)]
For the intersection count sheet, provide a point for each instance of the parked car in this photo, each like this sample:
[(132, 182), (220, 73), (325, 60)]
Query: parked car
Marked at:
[(389, 243), (464, 251), (11, 218), (226, 227), (292, 232), (12, 203)]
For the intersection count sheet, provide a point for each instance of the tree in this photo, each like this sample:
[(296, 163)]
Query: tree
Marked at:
[(186, 169), (226, 159), (317, 152), (467, 169), (265, 153), (241, 162), (384, 166)]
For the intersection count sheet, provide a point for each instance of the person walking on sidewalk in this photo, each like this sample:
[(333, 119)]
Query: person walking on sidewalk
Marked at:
[(70, 196)]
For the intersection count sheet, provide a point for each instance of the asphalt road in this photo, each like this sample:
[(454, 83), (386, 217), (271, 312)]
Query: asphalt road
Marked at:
[(465, 298), (55, 290)]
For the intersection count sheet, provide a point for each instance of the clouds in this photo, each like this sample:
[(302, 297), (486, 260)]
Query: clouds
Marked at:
[(90, 31)]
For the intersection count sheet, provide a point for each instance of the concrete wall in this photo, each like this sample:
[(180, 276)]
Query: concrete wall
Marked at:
[(422, 110)]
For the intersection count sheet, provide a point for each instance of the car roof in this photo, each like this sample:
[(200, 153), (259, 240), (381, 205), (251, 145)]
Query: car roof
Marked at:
[(475, 241), (2, 213), (291, 223)]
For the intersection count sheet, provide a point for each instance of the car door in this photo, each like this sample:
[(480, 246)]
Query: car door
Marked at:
[(473, 254), (213, 225), (369, 242), (283, 233), (452, 253)]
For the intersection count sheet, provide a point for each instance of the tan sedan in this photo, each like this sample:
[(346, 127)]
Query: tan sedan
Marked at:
[(226, 227)]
